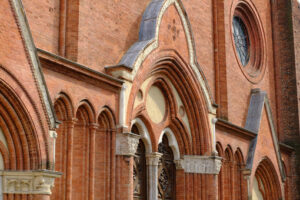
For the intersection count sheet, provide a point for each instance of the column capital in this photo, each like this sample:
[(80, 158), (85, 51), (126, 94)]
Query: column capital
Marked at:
[(153, 158), (179, 164), (93, 126), (202, 164), (126, 143), (28, 182)]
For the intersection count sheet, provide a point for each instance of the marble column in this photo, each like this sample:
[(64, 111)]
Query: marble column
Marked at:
[(152, 160)]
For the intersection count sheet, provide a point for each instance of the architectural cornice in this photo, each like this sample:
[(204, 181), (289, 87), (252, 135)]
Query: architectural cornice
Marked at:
[(286, 148), (234, 129), (70, 68)]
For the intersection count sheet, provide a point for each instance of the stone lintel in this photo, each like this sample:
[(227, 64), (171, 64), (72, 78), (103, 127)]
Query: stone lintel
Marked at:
[(126, 143), (202, 164), (28, 182)]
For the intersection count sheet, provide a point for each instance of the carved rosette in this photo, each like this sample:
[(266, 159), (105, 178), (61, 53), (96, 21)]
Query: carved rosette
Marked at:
[(202, 164), (28, 182), (126, 144)]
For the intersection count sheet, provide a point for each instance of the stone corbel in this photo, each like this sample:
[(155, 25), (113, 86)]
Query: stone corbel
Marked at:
[(28, 182), (202, 164), (126, 144)]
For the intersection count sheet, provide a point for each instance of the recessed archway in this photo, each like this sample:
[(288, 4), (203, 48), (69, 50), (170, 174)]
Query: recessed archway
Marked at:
[(266, 185)]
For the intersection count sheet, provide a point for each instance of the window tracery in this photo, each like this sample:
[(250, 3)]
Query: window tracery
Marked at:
[(139, 171), (241, 40), (166, 171)]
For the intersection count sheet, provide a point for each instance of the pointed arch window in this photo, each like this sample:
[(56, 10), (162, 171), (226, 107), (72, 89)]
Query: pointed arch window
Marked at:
[(166, 171), (139, 170)]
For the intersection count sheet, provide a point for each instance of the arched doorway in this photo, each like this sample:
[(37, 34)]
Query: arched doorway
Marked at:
[(266, 185)]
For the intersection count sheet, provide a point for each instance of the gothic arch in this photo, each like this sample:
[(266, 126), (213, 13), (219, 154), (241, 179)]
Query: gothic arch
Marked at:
[(170, 68), (104, 153), (172, 142), (228, 173), (170, 62), (268, 180), (20, 134), (143, 131), (64, 112), (220, 151), (240, 184), (86, 111), (64, 107)]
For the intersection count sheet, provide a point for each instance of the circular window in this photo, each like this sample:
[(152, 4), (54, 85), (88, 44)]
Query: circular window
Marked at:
[(241, 40), (248, 40)]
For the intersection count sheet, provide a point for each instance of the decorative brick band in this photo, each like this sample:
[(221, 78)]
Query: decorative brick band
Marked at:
[(126, 144), (202, 164), (28, 182)]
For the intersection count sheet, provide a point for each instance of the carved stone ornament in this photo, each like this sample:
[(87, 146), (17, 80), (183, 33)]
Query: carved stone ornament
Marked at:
[(126, 144), (28, 182), (153, 158), (202, 164)]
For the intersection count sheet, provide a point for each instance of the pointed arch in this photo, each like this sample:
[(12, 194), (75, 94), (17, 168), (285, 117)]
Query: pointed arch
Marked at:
[(220, 151), (64, 111), (85, 111), (172, 142), (106, 118), (148, 42), (143, 131), (240, 184), (105, 153), (19, 132), (228, 154), (268, 180), (228, 173), (63, 106), (85, 115)]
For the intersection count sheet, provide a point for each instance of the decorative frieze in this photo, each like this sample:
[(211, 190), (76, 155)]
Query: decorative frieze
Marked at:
[(126, 144), (202, 164), (28, 182)]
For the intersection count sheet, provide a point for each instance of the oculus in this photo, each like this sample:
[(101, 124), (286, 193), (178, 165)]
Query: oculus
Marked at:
[(248, 40)]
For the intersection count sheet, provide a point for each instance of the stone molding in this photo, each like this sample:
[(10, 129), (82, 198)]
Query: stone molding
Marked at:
[(153, 158), (28, 182), (126, 144), (202, 164)]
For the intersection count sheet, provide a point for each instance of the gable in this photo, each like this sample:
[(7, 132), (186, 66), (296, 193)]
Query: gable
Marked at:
[(163, 16), (260, 121), (19, 60)]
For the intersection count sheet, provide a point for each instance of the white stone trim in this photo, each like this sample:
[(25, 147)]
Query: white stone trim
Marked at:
[(28, 182), (145, 136), (202, 164), (172, 142), (126, 144), (189, 37)]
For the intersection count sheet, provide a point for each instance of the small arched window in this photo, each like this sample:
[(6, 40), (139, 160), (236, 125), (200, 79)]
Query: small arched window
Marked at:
[(139, 170), (166, 171)]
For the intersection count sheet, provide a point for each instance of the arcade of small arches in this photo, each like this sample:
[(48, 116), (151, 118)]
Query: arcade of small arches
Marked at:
[(162, 160)]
